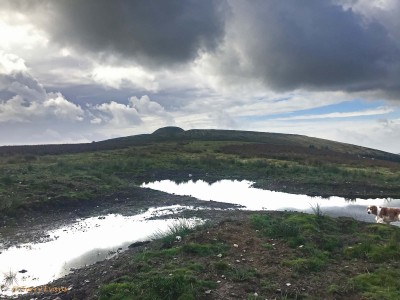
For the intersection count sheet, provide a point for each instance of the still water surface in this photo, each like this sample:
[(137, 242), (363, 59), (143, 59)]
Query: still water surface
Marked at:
[(82, 243), (242, 193)]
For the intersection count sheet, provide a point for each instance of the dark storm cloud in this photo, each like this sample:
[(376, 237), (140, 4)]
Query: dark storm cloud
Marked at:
[(313, 44), (149, 31), (291, 44)]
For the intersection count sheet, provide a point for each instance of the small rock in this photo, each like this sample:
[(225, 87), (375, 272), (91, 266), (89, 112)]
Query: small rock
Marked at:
[(223, 276), (178, 238), (218, 281), (219, 255), (235, 245), (208, 292), (301, 246), (87, 281), (255, 295), (288, 284), (238, 261)]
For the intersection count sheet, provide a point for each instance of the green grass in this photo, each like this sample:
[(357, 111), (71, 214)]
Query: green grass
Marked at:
[(204, 249), (380, 284), (305, 265), (278, 228), (168, 287), (240, 274), (386, 245)]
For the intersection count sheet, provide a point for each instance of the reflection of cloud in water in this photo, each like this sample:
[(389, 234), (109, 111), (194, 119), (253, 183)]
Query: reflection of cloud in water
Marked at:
[(242, 192)]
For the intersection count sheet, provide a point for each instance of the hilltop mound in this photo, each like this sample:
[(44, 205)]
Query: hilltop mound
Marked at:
[(169, 130)]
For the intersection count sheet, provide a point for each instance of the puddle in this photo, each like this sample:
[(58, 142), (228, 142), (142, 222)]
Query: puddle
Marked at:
[(82, 243), (242, 193)]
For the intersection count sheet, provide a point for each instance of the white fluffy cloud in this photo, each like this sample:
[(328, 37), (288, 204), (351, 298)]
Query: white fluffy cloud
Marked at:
[(117, 114), (28, 109), (25, 100), (117, 77)]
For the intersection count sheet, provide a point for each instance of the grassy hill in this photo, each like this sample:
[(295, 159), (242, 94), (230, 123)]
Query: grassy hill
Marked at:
[(60, 174), (169, 134)]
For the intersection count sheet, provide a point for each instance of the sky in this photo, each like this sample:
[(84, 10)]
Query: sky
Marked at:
[(75, 71)]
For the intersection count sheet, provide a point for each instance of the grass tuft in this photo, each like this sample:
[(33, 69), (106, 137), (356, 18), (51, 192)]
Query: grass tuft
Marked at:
[(10, 278), (181, 227)]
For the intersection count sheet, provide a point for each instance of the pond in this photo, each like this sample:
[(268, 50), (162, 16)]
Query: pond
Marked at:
[(81, 243), (242, 193)]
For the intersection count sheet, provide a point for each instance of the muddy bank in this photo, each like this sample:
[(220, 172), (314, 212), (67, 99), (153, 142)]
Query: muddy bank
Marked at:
[(347, 190)]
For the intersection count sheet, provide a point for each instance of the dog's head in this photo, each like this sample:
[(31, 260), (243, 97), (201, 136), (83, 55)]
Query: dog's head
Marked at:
[(372, 209)]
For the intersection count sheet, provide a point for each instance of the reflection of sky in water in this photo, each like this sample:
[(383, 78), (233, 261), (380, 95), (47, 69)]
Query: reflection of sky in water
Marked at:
[(241, 192), (84, 242)]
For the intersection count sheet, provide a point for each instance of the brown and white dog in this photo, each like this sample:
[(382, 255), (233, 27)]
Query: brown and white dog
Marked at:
[(384, 214)]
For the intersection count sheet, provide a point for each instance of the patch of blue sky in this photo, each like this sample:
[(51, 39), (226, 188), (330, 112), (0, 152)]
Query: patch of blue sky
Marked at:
[(355, 119), (342, 107)]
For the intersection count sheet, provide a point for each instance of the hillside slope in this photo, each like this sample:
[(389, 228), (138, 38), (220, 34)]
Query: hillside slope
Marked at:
[(169, 134), (54, 175)]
